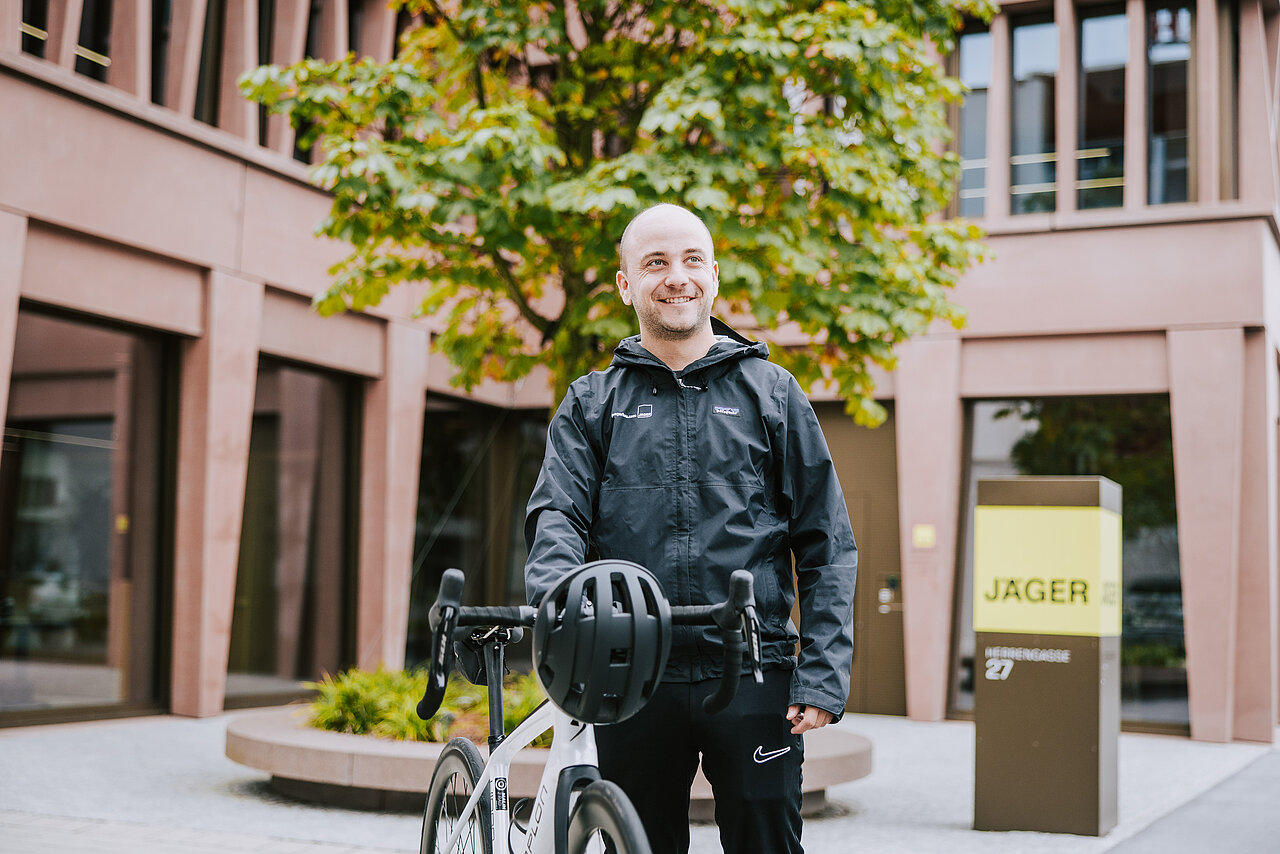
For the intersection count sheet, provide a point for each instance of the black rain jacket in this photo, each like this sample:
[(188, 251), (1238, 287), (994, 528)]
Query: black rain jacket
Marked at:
[(693, 475)]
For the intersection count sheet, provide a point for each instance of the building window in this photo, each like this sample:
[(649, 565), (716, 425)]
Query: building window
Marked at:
[(479, 466), (1169, 130), (82, 491), (93, 49), (1033, 151), (355, 26), (161, 26), (266, 38), (209, 81), (974, 64), (35, 27), (295, 583), (1104, 48), (315, 21), (1129, 440)]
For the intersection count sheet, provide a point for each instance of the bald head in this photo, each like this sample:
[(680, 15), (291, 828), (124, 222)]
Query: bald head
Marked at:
[(626, 246)]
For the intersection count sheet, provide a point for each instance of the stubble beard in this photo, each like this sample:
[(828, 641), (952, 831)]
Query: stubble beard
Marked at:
[(651, 322)]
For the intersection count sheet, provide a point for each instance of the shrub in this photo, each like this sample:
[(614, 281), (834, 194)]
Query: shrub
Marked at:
[(383, 703)]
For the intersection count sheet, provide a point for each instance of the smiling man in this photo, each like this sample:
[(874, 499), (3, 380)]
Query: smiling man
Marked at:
[(695, 456), (670, 277)]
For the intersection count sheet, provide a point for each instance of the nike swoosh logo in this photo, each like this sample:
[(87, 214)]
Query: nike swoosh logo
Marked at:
[(762, 757)]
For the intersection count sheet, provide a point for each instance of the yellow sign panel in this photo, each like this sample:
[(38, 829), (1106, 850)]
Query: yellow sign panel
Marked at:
[(1046, 570)]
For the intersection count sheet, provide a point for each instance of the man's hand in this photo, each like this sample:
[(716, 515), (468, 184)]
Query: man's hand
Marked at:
[(806, 718)]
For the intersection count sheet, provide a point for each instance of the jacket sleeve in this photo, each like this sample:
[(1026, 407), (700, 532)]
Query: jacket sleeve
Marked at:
[(826, 558), (558, 519)]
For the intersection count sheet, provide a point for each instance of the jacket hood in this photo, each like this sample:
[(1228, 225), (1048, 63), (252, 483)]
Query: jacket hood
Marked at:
[(730, 346)]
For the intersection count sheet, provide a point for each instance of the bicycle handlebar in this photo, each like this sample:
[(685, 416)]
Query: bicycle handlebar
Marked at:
[(740, 631), (735, 618)]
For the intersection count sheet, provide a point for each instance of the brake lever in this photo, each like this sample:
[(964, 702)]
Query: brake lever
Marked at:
[(443, 618), (751, 631)]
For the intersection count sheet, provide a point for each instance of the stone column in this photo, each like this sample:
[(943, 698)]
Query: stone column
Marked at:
[(1257, 670), (13, 240), (928, 417), (394, 410), (219, 378), (1206, 397)]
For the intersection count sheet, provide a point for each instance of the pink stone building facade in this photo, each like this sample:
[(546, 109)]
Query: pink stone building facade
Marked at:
[(209, 494)]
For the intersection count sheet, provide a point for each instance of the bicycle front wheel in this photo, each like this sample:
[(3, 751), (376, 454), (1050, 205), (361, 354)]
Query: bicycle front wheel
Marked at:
[(604, 820), (452, 783)]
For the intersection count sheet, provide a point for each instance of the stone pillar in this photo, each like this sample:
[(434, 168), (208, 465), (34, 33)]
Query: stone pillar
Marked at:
[(186, 39), (10, 17), (13, 240), (394, 411), (928, 417), (1066, 86), (130, 67), (999, 106), (1135, 120), (236, 113), (1207, 103), (1257, 140), (1257, 671), (219, 378), (1206, 398)]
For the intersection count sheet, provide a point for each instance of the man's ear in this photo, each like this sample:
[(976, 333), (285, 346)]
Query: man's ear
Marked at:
[(624, 288)]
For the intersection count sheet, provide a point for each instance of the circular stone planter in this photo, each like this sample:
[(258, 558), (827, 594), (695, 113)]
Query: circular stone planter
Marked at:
[(364, 772)]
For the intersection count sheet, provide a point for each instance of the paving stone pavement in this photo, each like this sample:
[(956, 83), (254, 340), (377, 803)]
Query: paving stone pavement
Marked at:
[(163, 784)]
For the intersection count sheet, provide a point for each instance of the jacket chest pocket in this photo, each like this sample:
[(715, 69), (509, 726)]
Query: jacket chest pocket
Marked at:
[(640, 451), (732, 446)]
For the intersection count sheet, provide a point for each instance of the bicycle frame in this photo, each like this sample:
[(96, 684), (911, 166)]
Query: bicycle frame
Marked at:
[(573, 745)]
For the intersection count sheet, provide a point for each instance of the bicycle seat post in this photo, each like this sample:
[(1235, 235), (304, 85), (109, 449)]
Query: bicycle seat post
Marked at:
[(495, 667)]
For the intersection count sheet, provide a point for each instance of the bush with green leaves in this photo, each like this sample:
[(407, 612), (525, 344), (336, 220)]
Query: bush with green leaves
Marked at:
[(383, 703)]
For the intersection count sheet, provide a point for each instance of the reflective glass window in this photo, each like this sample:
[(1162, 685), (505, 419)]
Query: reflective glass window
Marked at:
[(1033, 150), (315, 17), (35, 27), (974, 61), (1169, 130), (93, 49), (209, 80), (81, 522), (479, 466), (355, 25), (295, 582), (161, 27), (1104, 50), (1129, 440), (266, 38)]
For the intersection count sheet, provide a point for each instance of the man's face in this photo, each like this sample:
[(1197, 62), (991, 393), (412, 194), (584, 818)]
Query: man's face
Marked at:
[(669, 273)]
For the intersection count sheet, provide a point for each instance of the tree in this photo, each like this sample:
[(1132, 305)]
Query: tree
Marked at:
[(1127, 439), (498, 156)]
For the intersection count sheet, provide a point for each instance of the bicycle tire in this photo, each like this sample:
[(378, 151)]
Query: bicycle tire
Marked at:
[(452, 782), (604, 820)]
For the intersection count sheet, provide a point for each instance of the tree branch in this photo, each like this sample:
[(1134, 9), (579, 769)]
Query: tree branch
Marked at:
[(542, 324), (445, 19)]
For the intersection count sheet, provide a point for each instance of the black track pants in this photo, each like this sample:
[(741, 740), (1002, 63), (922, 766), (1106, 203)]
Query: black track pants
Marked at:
[(749, 755)]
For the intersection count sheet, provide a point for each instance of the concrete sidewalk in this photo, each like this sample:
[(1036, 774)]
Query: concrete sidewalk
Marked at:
[(162, 784)]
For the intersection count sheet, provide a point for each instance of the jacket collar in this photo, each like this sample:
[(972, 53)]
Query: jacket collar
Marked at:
[(730, 346)]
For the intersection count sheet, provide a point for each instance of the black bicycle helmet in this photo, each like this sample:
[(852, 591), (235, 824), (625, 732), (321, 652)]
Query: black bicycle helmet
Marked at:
[(601, 640)]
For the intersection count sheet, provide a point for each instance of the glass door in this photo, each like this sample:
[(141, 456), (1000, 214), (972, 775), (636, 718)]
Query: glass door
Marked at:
[(81, 521)]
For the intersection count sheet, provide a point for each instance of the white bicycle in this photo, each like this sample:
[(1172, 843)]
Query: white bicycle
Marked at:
[(574, 811)]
